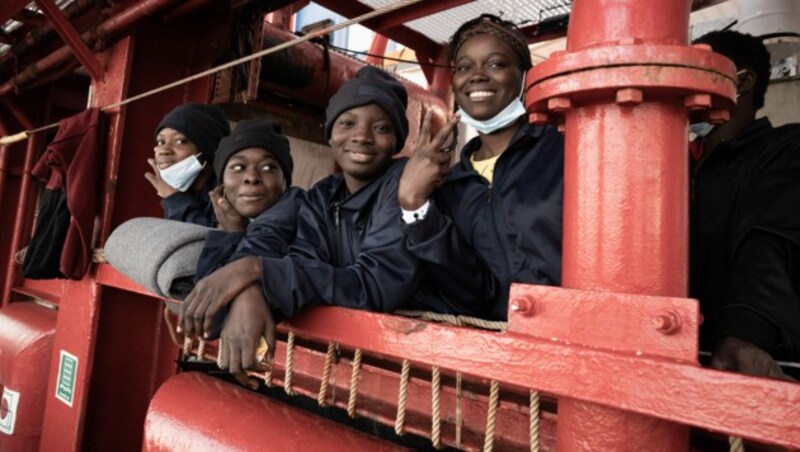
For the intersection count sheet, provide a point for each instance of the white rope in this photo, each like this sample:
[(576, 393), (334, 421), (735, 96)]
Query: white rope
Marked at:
[(399, 422), (354, 378), (277, 48)]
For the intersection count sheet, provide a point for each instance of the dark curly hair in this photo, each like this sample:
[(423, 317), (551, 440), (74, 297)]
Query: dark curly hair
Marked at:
[(504, 30), (747, 52)]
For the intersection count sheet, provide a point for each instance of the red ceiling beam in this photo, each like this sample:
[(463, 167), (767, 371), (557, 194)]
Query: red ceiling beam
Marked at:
[(29, 17), (411, 13), (72, 38), (10, 8), (404, 35)]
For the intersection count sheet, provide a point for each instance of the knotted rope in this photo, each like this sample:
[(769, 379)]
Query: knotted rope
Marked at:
[(354, 377), (170, 327), (737, 445), (399, 422), (326, 375), (457, 320), (491, 416), (436, 420), (287, 381), (534, 420)]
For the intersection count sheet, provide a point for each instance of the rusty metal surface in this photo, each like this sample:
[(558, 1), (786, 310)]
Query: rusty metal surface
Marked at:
[(192, 411)]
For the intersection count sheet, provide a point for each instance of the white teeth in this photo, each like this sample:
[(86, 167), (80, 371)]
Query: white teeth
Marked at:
[(480, 94)]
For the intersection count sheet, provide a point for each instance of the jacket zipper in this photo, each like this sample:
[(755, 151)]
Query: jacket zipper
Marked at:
[(494, 222)]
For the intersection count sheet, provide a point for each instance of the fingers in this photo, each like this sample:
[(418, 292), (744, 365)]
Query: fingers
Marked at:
[(248, 352), (269, 334), (445, 132), (216, 193), (152, 163), (425, 130)]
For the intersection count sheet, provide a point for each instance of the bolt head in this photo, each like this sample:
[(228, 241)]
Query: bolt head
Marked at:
[(697, 101), (629, 97)]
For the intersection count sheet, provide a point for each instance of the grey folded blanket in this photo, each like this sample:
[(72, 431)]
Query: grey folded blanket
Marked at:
[(160, 255)]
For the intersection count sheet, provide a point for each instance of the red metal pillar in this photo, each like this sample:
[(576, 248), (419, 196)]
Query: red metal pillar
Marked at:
[(377, 49), (21, 219), (624, 88)]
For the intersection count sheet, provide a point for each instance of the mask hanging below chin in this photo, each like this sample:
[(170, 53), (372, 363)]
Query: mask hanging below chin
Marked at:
[(701, 129), (182, 175), (501, 120)]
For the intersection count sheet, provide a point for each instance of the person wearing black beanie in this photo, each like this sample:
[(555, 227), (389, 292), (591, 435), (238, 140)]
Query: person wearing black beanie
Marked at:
[(372, 86), (182, 175), (350, 247), (254, 166)]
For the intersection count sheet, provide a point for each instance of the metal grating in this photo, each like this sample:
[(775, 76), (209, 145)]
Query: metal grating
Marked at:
[(10, 26), (439, 27)]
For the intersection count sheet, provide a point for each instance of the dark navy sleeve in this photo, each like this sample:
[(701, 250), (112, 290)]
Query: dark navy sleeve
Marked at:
[(763, 306), (189, 208), (217, 250), (383, 277), (455, 268), (272, 232)]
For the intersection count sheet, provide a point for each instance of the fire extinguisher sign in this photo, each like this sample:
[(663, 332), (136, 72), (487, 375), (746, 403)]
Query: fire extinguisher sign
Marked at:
[(67, 371), (8, 411)]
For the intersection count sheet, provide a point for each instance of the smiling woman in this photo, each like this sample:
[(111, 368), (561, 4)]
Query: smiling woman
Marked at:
[(497, 217)]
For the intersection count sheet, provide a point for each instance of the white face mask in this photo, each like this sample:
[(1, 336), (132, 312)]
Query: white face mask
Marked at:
[(701, 129), (182, 175), (503, 119)]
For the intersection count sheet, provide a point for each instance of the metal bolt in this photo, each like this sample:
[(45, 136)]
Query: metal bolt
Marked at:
[(562, 128), (702, 47), (559, 104), (629, 97), (525, 306), (667, 322), (538, 117), (718, 116), (629, 41), (697, 101)]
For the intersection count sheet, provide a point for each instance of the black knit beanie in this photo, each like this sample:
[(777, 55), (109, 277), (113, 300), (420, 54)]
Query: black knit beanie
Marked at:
[(204, 125), (372, 85), (255, 133)]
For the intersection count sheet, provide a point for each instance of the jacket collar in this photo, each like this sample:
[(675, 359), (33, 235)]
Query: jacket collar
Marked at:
[(526, 133), (360, 201), (754, 132)]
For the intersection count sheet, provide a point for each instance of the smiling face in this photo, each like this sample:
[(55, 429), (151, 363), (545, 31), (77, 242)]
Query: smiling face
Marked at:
[(253, 181), (487, 76), (363, 142), (172, 147)]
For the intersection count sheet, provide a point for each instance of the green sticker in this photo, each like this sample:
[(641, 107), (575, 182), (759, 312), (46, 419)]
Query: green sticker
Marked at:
[(67, 371)]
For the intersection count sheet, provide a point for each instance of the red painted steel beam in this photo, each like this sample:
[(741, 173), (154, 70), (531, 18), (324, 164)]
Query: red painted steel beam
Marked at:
[(377, 49), (115, 25), (9, 8), (404, 35), (68, 33), (755, 408), (25, 194), (192, 411), (411, 13)]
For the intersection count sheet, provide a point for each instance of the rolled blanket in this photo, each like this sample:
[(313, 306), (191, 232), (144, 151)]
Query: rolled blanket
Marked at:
[(160, 255)]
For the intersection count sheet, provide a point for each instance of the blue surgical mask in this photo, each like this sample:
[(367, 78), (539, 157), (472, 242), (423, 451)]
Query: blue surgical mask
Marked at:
[(501, 120), (182, 175), (701, 129)]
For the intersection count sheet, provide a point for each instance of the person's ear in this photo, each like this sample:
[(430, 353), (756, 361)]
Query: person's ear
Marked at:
[(745, 80)]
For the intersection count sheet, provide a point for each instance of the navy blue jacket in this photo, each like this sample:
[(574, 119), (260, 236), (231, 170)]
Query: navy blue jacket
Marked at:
[(350, 251), (270, 234), (479, 237), (745, 240), (188, 207)]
